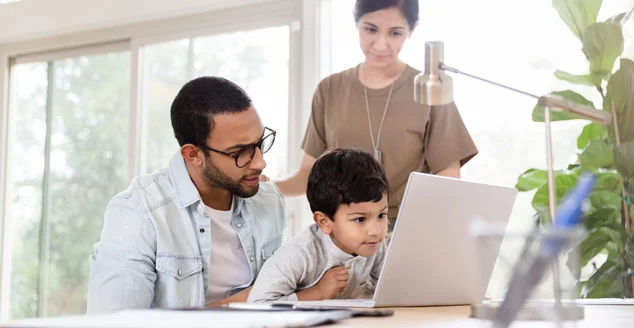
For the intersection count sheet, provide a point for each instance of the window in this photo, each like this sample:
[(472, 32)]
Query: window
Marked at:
[(508, 48), (73, 134), (67, 159), (256, 60)]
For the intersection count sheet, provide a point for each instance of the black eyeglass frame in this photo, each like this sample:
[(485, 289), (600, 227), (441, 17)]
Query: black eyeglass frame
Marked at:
[(236, 154)]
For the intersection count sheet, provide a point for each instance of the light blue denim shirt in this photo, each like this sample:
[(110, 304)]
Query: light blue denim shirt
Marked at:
[(155, 244)]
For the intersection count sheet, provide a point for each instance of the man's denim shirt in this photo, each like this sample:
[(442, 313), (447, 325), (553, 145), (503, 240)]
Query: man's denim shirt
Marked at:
[(155, 244)]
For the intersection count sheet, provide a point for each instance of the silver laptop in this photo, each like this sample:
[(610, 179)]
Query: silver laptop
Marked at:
[(432, 259)]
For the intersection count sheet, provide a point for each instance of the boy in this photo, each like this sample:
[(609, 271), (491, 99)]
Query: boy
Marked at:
[(340, 255)]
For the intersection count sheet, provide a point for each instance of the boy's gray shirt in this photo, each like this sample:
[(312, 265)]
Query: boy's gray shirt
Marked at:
[(302, 262)]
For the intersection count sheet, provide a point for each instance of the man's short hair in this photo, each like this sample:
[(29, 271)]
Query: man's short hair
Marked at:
[(198, 101)]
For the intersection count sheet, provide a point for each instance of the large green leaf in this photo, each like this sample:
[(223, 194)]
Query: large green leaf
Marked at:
[(531, 179), (620, 88), (592, 131), (617, 232), (602, 217), (563, 183), (538, 111), (605, 199), (598, 154), (586, 79), (624, 159), (602, 45), (578, 14), (592, 245), (610, 181), (605, 282)]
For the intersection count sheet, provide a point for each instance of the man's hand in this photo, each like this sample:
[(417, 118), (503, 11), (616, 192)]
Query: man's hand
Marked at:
[(264, 178), (239, 297), (334, 281)]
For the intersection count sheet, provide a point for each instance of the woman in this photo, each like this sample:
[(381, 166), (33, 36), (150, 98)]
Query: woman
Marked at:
[(371, 106)]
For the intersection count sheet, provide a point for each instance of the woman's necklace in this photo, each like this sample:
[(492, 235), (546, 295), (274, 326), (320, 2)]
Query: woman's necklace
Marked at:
[(375, 145)]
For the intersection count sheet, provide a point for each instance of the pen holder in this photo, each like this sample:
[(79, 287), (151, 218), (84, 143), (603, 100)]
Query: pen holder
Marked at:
[(553, 297)]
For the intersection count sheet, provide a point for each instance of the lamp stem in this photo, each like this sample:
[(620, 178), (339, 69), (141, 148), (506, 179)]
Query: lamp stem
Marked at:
[(552, 198)]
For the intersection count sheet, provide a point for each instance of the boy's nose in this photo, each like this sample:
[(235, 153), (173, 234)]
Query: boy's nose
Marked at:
[(375, 228)]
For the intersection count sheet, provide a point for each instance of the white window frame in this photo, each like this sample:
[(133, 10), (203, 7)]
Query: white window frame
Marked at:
[(5, 284), (306, 47)]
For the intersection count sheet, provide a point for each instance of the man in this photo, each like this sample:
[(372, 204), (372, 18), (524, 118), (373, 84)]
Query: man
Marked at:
[(197, 232)]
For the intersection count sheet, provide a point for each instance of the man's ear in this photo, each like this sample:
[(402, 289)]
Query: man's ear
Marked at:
[(192, 155), (323, 222)]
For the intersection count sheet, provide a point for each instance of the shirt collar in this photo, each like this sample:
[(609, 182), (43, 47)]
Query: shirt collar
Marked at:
[(332, 250), (187, 192)]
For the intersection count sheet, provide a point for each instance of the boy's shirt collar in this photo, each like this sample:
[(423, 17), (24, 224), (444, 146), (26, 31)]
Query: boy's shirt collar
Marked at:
[(334, 251)]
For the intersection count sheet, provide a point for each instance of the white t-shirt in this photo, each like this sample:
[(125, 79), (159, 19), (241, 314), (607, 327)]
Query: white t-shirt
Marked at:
[(229, 266)]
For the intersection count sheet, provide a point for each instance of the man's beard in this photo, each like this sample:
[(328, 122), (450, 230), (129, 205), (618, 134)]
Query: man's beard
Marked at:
[(213, 176)]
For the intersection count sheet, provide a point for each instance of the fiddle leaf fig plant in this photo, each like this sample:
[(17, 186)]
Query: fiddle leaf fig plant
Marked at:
[(607, 151)]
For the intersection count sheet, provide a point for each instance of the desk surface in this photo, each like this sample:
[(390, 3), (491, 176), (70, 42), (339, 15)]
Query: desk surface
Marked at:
[(602, 316)]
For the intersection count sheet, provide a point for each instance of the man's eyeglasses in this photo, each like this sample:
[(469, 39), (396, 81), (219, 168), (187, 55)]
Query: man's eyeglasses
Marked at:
[(245, 155)]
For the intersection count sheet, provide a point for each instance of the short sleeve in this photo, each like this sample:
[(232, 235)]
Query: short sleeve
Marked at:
[(448, 140), (314, 143)]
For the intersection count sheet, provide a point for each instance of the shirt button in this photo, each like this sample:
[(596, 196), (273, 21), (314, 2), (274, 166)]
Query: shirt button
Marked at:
[(239, 225), (180, 272), (202, 230), (251, 259)]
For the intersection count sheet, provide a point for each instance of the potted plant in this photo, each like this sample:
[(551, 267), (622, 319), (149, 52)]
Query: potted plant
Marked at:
[(607, 151)]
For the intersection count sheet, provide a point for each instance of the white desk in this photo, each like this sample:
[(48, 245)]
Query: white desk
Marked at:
[(601, 316)]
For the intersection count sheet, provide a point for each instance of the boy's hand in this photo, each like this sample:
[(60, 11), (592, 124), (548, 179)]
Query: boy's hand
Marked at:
[(334, 281)]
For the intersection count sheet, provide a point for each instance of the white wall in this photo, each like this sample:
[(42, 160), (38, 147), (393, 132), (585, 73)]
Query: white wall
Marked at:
[(33, 19)]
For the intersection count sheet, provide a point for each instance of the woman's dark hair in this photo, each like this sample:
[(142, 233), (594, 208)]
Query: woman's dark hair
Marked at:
[(342, 176), (409, 8)]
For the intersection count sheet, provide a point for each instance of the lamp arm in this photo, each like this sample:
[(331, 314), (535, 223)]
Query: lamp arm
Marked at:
[(456, 71), (553, 102)]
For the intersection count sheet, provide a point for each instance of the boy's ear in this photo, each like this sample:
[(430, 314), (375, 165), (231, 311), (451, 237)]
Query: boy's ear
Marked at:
[(323, 222)]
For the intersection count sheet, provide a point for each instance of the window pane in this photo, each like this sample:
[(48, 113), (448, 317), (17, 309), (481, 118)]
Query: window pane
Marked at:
[(166, 71), (27, 130), (89, 157), (87, 166), (256, 60)]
